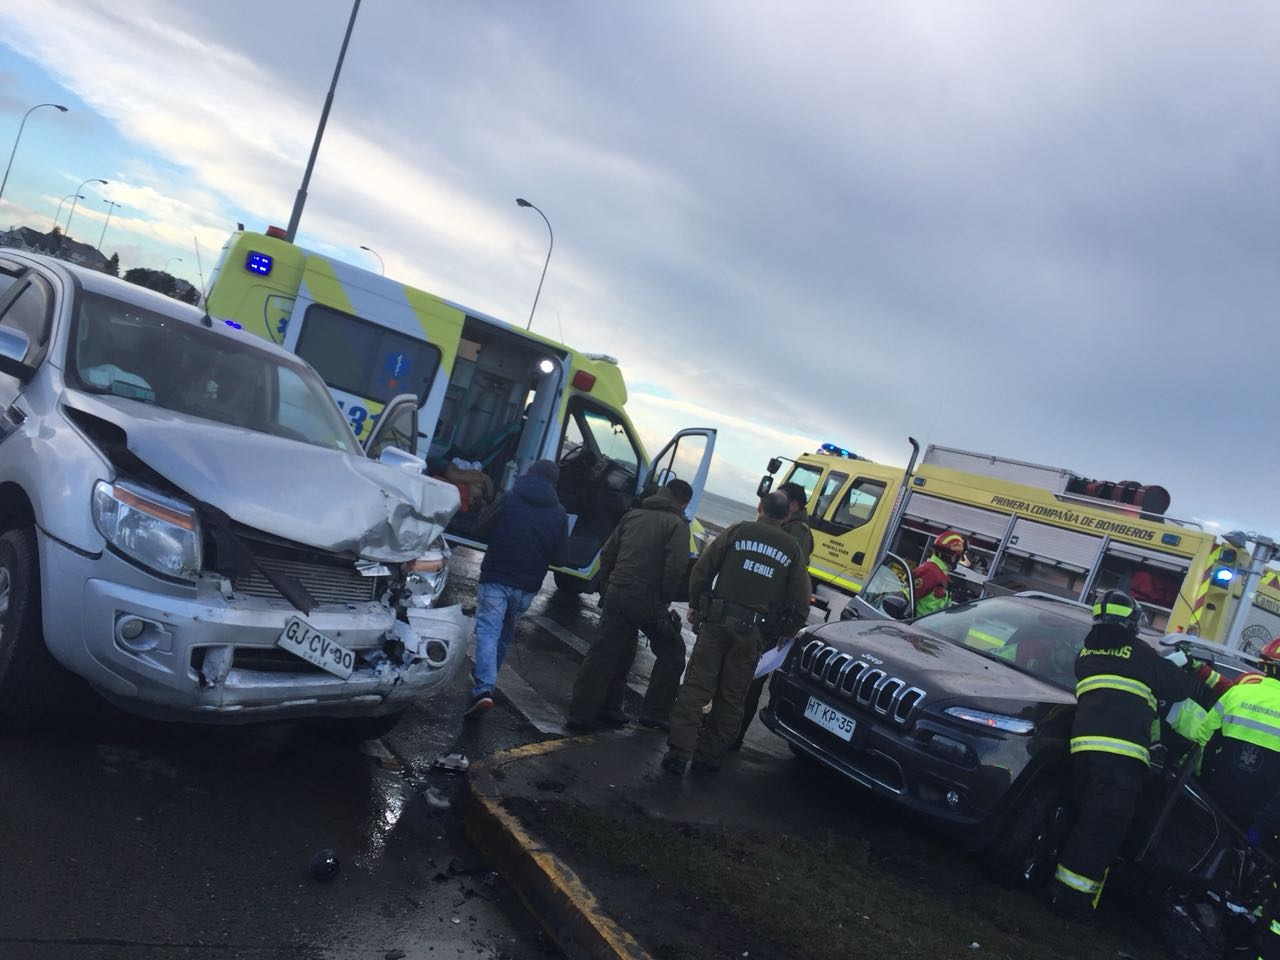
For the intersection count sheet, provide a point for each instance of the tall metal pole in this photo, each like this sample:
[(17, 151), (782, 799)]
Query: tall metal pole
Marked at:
[(61, 109), (169, 261), (66, 231), (324, 117), (111, 207), (520, 201), (58, 216)]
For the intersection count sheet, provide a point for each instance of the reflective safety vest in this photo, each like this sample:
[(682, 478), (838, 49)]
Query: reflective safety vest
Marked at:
[(931, 581), (1248, 712)]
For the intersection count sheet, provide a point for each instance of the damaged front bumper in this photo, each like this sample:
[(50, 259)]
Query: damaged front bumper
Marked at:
[(205, 654)]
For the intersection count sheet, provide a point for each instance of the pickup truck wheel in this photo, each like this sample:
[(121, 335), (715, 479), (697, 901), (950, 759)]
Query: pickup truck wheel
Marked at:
[(30, 679), (1025, 853)]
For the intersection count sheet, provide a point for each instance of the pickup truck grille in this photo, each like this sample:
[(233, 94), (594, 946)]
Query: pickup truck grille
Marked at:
[(326, 582), (859, 682)]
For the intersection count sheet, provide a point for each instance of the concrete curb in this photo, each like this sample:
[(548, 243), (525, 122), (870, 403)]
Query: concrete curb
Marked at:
[(554, 894)]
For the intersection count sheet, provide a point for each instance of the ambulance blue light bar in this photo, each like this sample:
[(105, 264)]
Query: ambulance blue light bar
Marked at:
[(1223, 575), (833, 450), (259, 263)]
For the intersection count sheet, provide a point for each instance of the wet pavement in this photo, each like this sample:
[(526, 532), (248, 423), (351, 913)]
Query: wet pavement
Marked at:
[(125, 838)]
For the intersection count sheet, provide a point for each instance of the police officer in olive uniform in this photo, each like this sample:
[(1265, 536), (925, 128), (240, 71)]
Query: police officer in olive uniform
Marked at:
[(796, 524), (642, 567), (751, 583)]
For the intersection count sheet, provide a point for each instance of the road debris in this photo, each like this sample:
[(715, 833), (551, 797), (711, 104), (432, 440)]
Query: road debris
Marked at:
[(456, 762), (324, 865)]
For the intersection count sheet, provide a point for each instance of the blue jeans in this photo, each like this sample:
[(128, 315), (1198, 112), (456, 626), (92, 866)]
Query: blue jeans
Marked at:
[(498, 607)]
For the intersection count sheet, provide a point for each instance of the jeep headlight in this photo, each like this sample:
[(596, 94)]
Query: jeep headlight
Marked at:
[(994, 721), (158, 532)]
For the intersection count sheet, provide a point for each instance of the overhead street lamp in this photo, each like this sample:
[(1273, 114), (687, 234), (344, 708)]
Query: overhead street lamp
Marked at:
[(111, 208), (60, 108), (58, 216), (66, 231), (525, 203), (165, 269), (381, 266)]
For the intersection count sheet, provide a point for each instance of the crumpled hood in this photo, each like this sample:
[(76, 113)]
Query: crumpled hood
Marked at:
[(326, 499)]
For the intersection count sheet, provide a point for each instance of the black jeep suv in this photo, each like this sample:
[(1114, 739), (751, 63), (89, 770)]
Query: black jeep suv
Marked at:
[(963, 715)]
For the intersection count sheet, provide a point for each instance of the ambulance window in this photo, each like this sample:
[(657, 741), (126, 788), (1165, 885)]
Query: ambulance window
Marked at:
[(808, 478), (830, 487), (858, 503), (366, 359)]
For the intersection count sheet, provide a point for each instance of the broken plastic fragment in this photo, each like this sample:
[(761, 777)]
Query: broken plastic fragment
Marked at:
[(435, 799), (452, 761)]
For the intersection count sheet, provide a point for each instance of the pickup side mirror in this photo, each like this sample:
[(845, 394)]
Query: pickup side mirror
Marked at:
[(14, 347), (395, 457), (766, 484)]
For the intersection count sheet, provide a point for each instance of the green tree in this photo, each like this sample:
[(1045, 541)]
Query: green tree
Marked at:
[(113, 265)]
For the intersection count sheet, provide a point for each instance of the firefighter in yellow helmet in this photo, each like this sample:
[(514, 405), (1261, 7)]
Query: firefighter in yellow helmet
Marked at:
[(1119, 680), (932, 579)]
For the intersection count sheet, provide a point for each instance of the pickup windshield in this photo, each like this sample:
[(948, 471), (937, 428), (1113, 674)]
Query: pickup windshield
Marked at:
[(125, 350), (1028, 635)]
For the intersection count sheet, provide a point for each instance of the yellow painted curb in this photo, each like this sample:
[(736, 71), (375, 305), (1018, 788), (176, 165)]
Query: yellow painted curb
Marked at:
[(554, 894)]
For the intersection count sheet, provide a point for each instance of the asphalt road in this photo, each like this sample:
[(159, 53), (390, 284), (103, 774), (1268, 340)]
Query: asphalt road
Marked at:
[(126, 838)]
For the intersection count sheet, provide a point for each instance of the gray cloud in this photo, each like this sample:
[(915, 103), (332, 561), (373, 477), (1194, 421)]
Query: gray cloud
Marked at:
[(1046, 231)]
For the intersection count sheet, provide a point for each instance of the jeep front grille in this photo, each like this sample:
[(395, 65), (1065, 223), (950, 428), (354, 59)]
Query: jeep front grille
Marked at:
[(860, 682)]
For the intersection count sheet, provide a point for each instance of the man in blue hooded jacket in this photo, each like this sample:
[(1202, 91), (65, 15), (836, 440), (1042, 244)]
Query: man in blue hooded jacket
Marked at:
[(527, 532)]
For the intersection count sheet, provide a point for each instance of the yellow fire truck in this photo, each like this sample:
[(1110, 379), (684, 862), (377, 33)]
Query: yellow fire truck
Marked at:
[(1031, 527), (477, 398)]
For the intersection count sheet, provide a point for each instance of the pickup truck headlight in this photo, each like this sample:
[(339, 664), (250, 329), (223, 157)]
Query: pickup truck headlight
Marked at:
[(996, 721), (158, 532), (427, 576)]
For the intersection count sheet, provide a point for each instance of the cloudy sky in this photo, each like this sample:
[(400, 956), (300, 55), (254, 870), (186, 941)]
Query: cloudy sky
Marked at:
[(1045, 230)]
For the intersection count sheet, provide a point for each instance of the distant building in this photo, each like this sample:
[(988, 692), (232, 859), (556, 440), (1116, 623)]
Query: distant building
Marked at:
[(57, 245)]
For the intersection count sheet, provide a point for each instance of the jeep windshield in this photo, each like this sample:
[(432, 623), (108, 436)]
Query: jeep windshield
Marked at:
[(125, 350), (1029, 635)]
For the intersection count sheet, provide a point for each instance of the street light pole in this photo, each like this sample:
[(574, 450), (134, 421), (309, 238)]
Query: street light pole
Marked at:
[(61, 109), (58, 216), (169, 261), (382, 267), (520, 201), (324, 117), (111, 208), (66, 231)]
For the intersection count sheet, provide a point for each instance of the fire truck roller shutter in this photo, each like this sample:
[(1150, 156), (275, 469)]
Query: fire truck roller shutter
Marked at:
[(957, 516), (1079, 550)]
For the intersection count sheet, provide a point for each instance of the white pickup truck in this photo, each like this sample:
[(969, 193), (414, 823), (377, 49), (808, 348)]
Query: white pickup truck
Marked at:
[(188, 523)]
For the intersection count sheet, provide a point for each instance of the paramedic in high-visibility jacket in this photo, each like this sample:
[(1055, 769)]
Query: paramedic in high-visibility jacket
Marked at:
[(932, 579), (1241, 737), (1119, 680)]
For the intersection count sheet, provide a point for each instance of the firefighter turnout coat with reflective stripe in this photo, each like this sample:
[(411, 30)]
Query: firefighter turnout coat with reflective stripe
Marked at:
[(1120, 679)]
